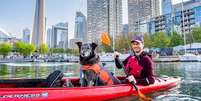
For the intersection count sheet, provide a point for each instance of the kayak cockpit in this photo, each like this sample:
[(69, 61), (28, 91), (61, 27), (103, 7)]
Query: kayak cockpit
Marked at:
[(55, 79)]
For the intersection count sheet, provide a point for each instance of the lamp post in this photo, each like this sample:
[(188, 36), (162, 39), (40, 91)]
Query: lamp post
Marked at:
[(183, 32)]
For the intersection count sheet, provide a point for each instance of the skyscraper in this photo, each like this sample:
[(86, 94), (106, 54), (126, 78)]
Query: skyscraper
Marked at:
[(166, 6), (60, 35), (125, 29), (187, 18), (140, 10), (80, 26), (103, 16), (38, 35), (26, 35), (49, 38)]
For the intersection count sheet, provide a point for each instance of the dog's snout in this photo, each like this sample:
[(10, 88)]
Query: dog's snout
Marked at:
[(83, 54)]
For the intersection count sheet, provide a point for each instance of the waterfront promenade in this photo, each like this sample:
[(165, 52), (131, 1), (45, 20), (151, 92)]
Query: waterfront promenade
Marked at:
[(75, 59), (174, 58), (166, 59)]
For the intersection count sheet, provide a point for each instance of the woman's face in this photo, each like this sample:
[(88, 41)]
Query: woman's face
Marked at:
[(137, 47)]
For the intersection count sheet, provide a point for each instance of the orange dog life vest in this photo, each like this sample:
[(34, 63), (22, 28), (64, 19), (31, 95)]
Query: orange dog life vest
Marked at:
[(104, 75)]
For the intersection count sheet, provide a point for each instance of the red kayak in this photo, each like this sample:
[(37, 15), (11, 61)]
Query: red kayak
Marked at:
[(41, 90)]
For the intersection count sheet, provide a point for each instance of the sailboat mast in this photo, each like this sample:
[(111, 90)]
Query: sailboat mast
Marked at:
[(183, 32)]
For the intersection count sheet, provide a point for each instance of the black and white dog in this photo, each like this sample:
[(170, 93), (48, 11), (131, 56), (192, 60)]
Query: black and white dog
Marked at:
[(92, 74), (87, 53)]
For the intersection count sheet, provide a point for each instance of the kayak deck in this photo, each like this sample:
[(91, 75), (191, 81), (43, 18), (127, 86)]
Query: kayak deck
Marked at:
[(80, 93)]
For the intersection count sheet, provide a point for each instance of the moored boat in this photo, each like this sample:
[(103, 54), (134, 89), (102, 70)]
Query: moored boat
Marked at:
[(56, 89), (188, 57)]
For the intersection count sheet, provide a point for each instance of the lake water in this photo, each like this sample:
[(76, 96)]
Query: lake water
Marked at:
[(188, 90)]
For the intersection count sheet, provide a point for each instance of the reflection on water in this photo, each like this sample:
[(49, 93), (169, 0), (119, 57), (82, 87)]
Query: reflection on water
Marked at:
[(189, 90), (35, 70)]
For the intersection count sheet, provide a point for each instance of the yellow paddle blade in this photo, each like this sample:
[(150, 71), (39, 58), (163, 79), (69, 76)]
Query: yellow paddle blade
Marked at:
[(142, 97), (105, 39)]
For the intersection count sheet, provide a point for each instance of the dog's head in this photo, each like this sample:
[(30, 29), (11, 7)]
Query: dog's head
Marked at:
[(87, 52), (86, 49)]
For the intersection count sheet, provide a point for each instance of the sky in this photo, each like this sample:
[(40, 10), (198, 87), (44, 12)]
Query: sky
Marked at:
[(16, 15)]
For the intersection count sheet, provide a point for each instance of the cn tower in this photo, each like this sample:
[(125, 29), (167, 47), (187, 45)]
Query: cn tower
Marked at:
[(39, 34)]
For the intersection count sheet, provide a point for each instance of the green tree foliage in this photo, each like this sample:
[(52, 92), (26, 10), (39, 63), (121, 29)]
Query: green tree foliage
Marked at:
[(57, 50), (75, 51), (189, 38), (5, 48), (69, 51), (43, 49), (106, 48), (176, 39), (148, 42), (30, 48), (161, 40), (24, 49), (72, 51), (196, 34), (19, 47), (123, 42)]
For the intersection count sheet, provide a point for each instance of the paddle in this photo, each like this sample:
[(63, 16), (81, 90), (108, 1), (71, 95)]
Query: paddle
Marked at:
[(106, 40)]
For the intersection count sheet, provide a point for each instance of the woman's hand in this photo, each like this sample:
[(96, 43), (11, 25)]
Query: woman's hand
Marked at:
[(116, 54)]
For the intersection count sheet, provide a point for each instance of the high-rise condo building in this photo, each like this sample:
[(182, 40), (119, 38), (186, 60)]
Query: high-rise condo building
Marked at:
[(80, 26), (166, 6), (26, 35), (49, 38), (141, 10), (60, 35), (103, 16)]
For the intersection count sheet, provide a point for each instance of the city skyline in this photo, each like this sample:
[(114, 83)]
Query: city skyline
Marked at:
[(19, 14), (23, 15)]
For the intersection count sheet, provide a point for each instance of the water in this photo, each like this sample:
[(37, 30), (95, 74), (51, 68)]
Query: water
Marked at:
[(36, 70), (188, 90)]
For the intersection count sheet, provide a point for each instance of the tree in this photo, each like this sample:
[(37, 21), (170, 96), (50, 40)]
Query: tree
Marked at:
[(161, 40), (19, 47), (123, 42), (189, 38), (106, 48), (75, 51), (196, 34), (148, 43), (24, 49), (43, 49), (57, 50), (176, 39), (30, 48), (5, 48)]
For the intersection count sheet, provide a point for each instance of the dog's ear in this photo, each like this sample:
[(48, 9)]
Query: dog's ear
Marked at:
[(94, 45), (79, 44)]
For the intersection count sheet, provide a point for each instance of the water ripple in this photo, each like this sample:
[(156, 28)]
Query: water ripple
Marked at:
[(177, 97), (191, 81)]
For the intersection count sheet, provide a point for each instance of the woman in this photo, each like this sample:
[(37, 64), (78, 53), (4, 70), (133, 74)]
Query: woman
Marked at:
[(139, 65)]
